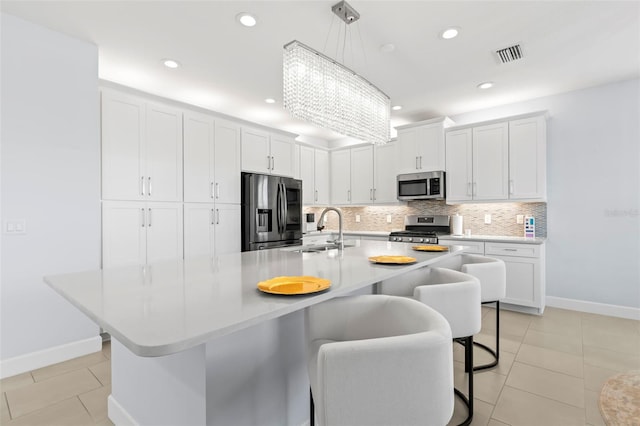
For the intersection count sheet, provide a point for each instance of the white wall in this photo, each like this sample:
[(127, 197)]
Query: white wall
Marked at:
[(593, 221), (50, 159)]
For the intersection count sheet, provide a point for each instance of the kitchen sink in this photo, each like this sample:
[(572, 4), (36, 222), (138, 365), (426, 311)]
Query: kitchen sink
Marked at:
[(316, 248)]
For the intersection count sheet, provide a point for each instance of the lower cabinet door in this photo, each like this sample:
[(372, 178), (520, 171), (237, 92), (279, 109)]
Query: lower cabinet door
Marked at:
[(199, 222), (228, 238), (124, 233), (164, 232), (523, 281)]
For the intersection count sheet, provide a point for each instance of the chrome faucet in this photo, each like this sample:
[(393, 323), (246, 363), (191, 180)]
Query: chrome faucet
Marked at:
[(340, 241)]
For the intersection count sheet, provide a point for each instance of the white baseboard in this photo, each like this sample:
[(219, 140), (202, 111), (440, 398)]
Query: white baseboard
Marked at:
[(118, 415), (594, 307), (34, 360)]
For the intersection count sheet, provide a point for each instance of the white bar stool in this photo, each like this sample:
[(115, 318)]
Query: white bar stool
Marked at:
[(456, 296), (492, 275), (379, 360)]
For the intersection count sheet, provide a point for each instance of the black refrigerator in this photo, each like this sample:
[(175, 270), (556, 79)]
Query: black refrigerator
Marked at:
[(271, 211)]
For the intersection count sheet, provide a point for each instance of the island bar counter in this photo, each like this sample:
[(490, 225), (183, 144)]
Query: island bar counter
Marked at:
[(195, 341)]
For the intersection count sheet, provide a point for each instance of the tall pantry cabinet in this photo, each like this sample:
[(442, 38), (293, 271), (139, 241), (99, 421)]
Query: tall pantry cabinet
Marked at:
[(141, 180), (212, 164)]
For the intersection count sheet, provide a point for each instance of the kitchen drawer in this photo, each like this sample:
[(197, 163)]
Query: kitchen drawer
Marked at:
[(474, 247), (507, 249)]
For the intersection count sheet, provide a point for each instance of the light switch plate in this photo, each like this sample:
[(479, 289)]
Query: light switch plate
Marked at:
[(357, 218), (388, 218), (487, 219), (519, 219), (15, 227)]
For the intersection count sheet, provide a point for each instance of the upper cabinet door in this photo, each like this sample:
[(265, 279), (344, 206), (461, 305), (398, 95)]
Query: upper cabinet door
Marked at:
[(527, 159), (282, 149), (164, 153), (307, 173), (491, 162), (385, 173), (198, 157), (322, 184), (430, 148), (408, 158), (227, 162), (341, 177), (123, 119), (256, 155), (459, 165), (362, 175)]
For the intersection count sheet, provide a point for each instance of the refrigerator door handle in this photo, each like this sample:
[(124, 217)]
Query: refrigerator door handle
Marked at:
[(285, 208), (279, 208)]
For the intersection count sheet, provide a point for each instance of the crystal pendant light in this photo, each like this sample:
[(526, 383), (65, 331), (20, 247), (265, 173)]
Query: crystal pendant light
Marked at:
[(326, 93)]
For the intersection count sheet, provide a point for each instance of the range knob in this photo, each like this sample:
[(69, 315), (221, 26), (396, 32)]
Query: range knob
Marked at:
[(420, 240), (410, 239)]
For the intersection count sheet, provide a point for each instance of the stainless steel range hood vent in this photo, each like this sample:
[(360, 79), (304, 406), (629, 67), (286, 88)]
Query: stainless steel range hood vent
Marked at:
[(509, 54)]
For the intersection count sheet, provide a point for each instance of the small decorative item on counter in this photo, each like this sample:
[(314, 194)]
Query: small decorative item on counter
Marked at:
[(529, 227)]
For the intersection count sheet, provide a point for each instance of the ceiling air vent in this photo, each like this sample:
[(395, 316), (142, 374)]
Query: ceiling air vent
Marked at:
[(509, 54)]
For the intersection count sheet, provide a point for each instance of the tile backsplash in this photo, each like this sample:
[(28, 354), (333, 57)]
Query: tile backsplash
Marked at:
[(503, 216)]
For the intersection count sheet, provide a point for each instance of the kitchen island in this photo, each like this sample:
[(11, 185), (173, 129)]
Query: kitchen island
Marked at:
[(195, 342)]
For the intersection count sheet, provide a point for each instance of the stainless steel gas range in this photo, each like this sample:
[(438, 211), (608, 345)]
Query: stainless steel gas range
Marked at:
[(422, 229)]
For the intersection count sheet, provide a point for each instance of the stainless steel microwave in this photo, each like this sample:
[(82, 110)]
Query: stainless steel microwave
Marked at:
[(421, 186)]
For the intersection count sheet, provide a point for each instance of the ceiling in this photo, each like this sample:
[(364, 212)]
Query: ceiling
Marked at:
[(228, 68)]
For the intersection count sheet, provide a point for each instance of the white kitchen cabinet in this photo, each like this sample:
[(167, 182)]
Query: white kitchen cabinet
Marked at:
[(528, 159), (421, 146), (363, 175), (314, 172), (137, 233), (361, 172), (525, 272), (490, 162), (211, 159), (498, 161), (385, 174), (268, 153), (141, 149), (459, 165), (211, 229), (340, 177)]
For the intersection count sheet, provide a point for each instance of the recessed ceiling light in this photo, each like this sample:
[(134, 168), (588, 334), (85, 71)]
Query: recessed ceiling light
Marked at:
[(485, 85), (246, 19), (170, 63), (450, 33), (396, 107), (270, 101)]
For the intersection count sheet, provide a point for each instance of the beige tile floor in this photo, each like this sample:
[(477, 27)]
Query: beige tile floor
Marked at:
[(551, 370)]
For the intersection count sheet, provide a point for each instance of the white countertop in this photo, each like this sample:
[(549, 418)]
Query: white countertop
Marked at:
[(168, 307)]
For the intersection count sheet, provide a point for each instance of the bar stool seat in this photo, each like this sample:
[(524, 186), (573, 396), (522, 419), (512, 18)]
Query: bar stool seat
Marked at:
[(456, 296), (379, 360)]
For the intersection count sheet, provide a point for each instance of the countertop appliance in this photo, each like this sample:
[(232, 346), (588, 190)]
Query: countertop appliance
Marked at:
[(422, 229), (421, 186), (271, 211)]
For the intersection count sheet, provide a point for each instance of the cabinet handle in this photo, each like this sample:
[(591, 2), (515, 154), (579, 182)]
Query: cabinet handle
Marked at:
[(511, 186), (421, 162), (417, 167), (212, 217), (142, 185), (273, 163), (142, 217), (217, 216), (509, 249), (374, 194), (348, 195), (316, 195), (149, 186), (268, 162), (149, 225), (371, 194), (217, 190), (211, 190)]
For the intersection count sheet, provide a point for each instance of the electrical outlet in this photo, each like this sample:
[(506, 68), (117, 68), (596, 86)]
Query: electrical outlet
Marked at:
[(487, 219), (357, 218), (16, 227), (388, 218), (519, 219)]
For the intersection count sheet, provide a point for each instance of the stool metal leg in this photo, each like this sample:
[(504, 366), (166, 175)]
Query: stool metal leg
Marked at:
[(312, 416), (496, 353), (468, 368)]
